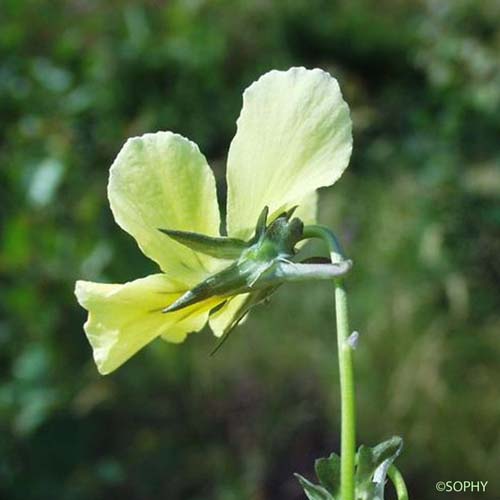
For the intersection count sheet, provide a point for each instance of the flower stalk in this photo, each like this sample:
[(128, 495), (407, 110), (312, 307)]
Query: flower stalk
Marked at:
[(347, 392)]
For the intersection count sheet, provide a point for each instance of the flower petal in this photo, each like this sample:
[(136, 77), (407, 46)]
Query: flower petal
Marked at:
[(227, 314), (294, 136), (124, 318), (307, 208), (162, 181)]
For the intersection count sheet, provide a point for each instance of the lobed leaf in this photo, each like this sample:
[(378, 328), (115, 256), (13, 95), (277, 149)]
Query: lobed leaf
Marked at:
[(314, 491), (328, 473), (372, 466)]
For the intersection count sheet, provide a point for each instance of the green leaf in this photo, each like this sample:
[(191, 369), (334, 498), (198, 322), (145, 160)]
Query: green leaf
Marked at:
[(314, 491), (220, 247), (328, 472), (372, 466)]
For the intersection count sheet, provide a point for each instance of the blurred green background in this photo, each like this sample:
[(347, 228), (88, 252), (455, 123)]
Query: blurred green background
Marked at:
[(418, 211)]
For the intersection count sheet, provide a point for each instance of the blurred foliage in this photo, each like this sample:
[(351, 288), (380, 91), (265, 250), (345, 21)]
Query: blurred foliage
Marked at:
[(418, 211)]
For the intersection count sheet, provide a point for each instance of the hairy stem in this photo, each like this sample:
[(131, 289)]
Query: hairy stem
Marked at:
[(347, 395)]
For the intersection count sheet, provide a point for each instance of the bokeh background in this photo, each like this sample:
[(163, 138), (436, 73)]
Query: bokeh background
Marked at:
[(418, 211)]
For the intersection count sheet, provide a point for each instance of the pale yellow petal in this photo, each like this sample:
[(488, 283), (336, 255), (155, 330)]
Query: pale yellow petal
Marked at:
[(220, 320), (162, 180), (307, 210), (124, 318), (293, 137)]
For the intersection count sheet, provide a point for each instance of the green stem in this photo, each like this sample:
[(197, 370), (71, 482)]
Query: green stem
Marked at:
[(398, 482), (347, 396), (348, 408)]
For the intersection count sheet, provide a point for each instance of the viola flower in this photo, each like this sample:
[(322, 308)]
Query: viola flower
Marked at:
[(293, 137)]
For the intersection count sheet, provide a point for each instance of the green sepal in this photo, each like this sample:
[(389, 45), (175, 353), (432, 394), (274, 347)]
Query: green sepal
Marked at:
[(285, 233), (245, 276), (372, 466), (328, 473), (253, 260), (239, 277), (219, 247), (288, 214), (260, 228), (314, 491), (262, 263)]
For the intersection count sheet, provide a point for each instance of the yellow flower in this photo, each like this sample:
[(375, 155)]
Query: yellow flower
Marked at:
[(293, 137)]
